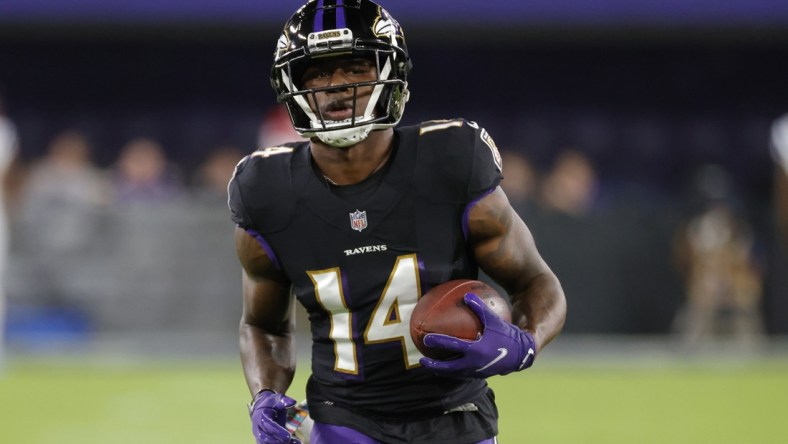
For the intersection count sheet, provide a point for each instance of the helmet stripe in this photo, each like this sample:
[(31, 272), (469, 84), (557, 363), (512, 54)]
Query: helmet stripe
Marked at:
[(341, 19), (319, 17)]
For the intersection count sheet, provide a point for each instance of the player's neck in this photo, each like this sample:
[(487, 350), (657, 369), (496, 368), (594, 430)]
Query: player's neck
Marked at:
[(353, 164)]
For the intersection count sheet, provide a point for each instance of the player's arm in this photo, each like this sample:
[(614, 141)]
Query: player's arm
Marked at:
[(267, 324), (504, 248)]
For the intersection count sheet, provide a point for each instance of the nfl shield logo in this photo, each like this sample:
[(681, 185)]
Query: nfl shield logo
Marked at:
[(358, 220)]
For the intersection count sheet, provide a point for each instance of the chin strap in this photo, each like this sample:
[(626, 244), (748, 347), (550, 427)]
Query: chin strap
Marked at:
[(342, 138)]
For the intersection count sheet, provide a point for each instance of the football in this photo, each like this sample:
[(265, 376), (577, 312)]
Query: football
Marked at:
[(443, 310)]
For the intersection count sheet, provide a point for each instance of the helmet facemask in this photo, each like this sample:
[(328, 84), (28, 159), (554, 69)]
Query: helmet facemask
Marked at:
[(384, 107)]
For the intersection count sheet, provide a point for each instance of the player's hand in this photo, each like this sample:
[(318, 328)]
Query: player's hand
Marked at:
[(269, 414), (502, 348)]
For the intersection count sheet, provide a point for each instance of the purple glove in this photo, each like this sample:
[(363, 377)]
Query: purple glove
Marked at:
[(502, 348), (269, 414)]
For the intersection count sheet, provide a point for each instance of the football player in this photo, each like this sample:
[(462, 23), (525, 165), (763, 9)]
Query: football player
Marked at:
[(356, 224)]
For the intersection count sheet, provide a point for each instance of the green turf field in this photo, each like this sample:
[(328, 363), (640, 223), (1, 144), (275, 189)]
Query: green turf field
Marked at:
[(203, 402)]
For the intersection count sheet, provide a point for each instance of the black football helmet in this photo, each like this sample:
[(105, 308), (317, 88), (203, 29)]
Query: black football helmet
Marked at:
[(342, 28)]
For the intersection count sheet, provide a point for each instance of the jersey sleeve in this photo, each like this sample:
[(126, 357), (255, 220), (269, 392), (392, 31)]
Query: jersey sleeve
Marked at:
[(457, 160), (235, 198), (486, 167), (261, 194)]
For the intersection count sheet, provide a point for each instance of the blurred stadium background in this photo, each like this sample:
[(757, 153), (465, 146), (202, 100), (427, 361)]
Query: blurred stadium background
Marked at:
[(638, 147)]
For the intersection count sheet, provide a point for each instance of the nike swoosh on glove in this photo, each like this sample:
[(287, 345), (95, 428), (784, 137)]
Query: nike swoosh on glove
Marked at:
[(269, 415), (502, 348)]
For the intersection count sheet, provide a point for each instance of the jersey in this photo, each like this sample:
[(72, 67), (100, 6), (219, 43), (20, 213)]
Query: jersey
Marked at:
[(359, 263)]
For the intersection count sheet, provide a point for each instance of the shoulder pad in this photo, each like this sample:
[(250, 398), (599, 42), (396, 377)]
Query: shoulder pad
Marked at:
[(260, 194), (458, 154)]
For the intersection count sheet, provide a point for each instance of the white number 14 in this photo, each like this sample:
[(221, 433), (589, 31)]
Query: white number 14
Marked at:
[(390, 320)]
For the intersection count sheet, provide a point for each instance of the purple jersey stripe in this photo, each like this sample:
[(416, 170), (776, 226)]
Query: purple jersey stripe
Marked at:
[(268, 250), (468, 211), (318, 25), (341, 18)]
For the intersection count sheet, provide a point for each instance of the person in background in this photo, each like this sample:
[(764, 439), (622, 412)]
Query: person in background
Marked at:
[(779, 278), (570, 187), (520, 182), (356, 224), (8, 148), (715, 253), (143, 174), (210, 184), (62, 211)]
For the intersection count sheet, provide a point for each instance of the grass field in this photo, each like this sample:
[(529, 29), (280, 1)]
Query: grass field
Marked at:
[(67, 401)]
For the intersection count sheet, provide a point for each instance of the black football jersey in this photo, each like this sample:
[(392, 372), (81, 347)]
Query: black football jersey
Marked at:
[(359, 262)]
